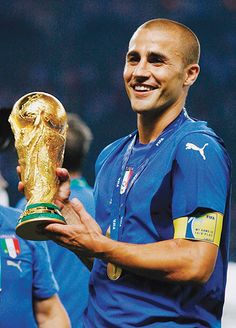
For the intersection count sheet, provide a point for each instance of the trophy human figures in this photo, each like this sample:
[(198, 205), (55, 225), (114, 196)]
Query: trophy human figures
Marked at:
[(38, 121)]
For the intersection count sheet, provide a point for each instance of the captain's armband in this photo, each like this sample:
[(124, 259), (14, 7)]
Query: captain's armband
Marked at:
[(206, 227)]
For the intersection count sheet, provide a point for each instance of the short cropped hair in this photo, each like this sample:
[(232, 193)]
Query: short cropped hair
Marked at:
[(78, 140), (189, 43)]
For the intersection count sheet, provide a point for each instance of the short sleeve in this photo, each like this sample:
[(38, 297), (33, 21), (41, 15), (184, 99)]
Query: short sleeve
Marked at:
[(44, 283), (201, 175)]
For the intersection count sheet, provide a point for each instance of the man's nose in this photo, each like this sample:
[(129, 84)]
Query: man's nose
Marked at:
[(141, 70)]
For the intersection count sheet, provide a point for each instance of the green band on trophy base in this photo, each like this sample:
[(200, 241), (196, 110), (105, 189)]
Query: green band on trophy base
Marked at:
[(43, 205), (35, 217)]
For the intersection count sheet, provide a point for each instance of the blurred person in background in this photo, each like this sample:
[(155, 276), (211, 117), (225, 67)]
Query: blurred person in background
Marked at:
[(161, 235), (6, 141), (28, 289), (4, 199), (71, 274)]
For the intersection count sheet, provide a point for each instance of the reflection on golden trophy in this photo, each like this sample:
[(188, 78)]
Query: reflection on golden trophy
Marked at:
[(38, 121)]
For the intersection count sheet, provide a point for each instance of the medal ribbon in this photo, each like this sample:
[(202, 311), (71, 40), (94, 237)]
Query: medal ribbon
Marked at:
[(119, 197)]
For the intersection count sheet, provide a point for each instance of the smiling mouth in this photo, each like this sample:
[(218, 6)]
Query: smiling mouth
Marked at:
[(143, 87)]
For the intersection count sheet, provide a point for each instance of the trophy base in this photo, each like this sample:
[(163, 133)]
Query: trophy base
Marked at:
[(35, 217)]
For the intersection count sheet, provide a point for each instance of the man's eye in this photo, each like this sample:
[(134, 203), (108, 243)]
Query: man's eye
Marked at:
[(132, 59), (156, 59)]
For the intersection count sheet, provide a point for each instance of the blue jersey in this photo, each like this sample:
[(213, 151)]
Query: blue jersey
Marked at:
[(71, 274), (26, 274), (185, 169)]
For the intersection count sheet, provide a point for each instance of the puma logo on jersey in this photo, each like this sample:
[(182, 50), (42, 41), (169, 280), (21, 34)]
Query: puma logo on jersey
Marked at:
[(14, 264), (196, 148)]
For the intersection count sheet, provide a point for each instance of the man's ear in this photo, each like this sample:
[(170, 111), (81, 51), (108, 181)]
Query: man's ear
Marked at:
[(191, 74)]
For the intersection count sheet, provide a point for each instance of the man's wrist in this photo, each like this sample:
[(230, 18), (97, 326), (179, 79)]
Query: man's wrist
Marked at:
[(103, 247)]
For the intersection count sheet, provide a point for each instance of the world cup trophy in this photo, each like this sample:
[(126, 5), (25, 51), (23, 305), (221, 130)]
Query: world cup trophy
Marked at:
[(39, 124)]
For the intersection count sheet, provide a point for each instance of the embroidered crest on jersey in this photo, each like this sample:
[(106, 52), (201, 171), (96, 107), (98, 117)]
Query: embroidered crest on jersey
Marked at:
[(10, 245), (126, 179), (190, 145)]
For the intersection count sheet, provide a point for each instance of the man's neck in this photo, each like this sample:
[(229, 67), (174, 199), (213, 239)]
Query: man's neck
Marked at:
[(151, 126)]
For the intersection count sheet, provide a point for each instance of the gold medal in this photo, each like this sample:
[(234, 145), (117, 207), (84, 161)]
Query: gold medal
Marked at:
[(113, 271)]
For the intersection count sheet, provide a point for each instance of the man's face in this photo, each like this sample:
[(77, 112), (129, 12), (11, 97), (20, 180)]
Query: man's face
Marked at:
[(154, 71)]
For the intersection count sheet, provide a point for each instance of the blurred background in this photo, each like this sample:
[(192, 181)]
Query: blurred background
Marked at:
[(75, 50)]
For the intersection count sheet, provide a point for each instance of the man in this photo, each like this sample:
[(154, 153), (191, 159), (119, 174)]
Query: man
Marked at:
[(28, 289), (71, 275), (162, 199)]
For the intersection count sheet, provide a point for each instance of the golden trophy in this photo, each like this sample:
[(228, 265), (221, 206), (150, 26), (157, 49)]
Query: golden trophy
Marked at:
[(38, 121)]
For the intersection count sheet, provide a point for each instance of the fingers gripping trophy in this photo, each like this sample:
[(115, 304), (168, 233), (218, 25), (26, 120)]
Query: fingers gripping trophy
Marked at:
[(38, 121)]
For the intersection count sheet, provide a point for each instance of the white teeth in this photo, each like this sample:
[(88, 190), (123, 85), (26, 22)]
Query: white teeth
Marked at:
[(142, 88)]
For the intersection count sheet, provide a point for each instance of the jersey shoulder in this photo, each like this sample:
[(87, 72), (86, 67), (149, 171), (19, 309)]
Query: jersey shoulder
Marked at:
[(9, 216), (201, 139)]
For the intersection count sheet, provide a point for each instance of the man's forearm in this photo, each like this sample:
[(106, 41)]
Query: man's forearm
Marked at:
[(173, 260), (50, 313)]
